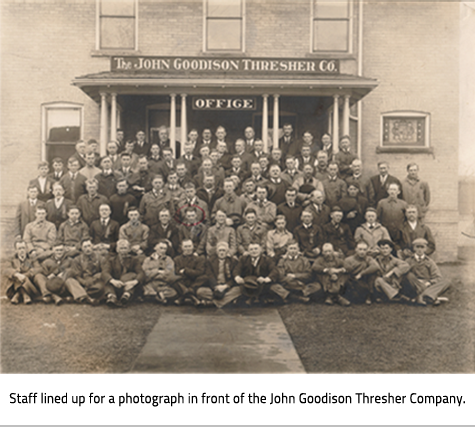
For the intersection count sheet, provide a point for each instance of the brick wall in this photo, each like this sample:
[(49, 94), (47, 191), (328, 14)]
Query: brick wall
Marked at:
[(414, 55)]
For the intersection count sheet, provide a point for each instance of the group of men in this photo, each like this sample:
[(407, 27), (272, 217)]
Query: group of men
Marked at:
[(223, 223)]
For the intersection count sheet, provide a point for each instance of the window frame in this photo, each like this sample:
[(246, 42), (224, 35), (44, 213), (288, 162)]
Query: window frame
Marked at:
[(410, 114), (98, 29), (350, 24), (49, 106), (205, 31)]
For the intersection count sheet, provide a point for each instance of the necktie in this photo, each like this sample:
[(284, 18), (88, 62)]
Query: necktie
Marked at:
[(104, 222), (221, 278)]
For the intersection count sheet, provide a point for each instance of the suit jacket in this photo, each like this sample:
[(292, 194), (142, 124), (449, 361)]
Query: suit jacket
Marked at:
[(57, 215), (114, 268), (142, 150), (379, 189), (73, 189), (108, 234), (47, 193), (80, 159), (24, 215), (265, 267), (106, 184), (158, 232), (285, 147), (191, 165), (164, 169), (212, 271), (210, 200)]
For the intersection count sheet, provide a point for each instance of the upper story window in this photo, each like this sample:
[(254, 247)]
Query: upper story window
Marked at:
[(117, 24), (331, 26), (224, 25)]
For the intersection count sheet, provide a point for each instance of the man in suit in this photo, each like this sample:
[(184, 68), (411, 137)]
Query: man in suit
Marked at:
[(291, 172), (164, 230), (320, 211), (160, 276), (249, 139), (122, 275), (155, 200), (104, 231), (305, 157), (276, 185), (220, 232), (290, 209), (334, 187), (168, 163), (40, 235), (192, 200), (154, 160), (191, 269), (121, 202), (112, 150), (89, 203), (207, 139), (392, 212), (424, 276), (192, 228), (327, 145), (106, 178), (26, 211), (221, 138), (231, 204), (286, 142), (80, 154), (309, 236), (345, 156), (338, 233), (255, 273), (414, 190), (220, 288), (120, 140), (58, 169), (43, 182), (19, 274), (72, 231), (413, 228), (209, 193), (246, 156), (126, 171), (141, 147), (74, 183), (193, 142), (164, 142), (364, 183), (380, 183), (189, 158), (57, 208)]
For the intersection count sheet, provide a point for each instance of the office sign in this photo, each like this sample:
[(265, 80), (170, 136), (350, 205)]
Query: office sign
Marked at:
[(224, 103), (243, 66)]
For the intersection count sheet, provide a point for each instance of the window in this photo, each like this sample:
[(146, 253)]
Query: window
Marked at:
[(117, 24), (224, 25), (405, 131), (331, 25), (62, 128)]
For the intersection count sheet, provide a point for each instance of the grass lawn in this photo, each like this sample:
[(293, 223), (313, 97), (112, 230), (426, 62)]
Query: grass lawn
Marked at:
[(379, 338)]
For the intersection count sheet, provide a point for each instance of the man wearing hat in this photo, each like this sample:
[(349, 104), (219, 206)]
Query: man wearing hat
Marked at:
[(255, 273), (392, 271), (330, 275), (338, 233), (361, 270), (424, 276), (371, 231)]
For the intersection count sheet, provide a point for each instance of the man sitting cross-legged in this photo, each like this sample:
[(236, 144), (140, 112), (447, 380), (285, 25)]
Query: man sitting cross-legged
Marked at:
[(51, 279), (122, 275), (392, 271), (160, 275), (424, 276), (86, 272), (220, 289), (362, 270), (295, 275), (19, 274), (330, 273), (191, 269), (255, 273)]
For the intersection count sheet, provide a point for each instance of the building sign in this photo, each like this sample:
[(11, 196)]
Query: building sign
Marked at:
[(235, 104), (225, 65)]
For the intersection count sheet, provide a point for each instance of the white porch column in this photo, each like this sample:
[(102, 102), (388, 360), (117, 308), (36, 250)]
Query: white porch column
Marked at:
[(329, 126), (265, 121), (183, 123), (275, 130), (173, 123), (336, 121), (103, 124), (113, 116), (346, 116)]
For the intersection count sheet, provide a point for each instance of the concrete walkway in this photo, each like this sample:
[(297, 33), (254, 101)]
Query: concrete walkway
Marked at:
[(187, 340)]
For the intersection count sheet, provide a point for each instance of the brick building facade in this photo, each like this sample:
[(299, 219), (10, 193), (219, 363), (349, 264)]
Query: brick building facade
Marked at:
[(394, 62)]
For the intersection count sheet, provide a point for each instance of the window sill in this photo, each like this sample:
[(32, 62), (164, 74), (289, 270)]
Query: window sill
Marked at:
[(408, 150), (224, 54), (331, 55), (111, 52)]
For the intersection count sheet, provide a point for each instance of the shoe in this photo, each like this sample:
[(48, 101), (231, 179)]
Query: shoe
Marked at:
[(68, 299), (161, 300), (195, 300), (26, 299), (329, 301), (178, 301), (439, 300), (379, 300), (112, 301), (125, 298), (343, 301), (58, 301), (428, 300), (368, 301), (419, 301), (91, 301), (47, 299), (15, 299)]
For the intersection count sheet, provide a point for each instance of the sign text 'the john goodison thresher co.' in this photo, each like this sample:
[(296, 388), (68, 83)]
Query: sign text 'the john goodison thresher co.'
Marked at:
[(227, 65)]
